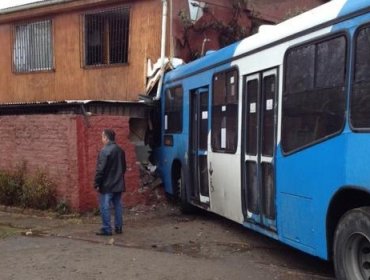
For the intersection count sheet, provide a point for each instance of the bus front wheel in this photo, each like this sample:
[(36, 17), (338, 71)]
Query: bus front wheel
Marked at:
[(352, 245), (185, 206)]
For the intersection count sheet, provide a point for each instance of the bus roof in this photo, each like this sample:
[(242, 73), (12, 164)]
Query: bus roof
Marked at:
[(321, 15)]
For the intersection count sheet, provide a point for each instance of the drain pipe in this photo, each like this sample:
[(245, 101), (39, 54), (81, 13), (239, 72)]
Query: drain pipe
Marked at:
[(163, 48)]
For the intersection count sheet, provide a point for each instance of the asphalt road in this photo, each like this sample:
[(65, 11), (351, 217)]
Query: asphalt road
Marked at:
[(160, 244)]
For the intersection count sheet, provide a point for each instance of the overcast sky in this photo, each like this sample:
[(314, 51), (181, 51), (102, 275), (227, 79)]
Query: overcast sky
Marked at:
[(11, 3)]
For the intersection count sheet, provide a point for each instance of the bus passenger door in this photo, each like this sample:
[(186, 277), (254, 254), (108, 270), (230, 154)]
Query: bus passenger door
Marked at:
[(259, 141), (199, 128)]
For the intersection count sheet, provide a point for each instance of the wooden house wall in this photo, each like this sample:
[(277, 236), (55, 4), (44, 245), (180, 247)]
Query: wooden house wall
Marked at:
[(70, 80)]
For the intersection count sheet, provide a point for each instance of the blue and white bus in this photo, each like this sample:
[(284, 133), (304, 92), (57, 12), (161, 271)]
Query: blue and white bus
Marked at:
[(273, 132)]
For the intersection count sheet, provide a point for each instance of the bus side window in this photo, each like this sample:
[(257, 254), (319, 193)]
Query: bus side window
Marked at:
[(360, 97), (225, 112), (314, 96), (173, 110)]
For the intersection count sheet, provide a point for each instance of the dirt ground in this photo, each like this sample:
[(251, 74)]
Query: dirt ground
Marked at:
[(156, 244)]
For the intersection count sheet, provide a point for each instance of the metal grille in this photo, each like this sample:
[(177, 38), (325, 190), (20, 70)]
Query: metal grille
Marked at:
[(32, 49), (106, 36)]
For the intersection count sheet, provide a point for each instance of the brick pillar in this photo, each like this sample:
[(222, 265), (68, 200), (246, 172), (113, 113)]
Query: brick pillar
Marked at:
[(89, 131)]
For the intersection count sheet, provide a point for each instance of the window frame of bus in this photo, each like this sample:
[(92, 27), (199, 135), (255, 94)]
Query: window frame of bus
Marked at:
[(229, 102), (342, 86), (177, 108), (353, 79)]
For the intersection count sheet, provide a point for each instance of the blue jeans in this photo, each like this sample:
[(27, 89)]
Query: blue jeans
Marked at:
[(105, 201)]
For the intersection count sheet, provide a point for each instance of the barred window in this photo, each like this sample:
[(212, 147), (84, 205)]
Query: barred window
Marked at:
[(32, 49), (106, 36)]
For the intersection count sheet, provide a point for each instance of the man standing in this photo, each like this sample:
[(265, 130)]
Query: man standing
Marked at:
[(109, 182)]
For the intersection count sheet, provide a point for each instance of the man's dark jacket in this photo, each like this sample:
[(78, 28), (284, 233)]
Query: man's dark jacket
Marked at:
[(110, 169)]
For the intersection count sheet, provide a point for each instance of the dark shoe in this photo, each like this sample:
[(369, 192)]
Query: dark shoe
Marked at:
[(103, 233), (118, 230)]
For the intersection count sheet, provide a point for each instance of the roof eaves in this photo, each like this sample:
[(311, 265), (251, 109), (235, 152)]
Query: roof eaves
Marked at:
[(34, 5), (85, 107)]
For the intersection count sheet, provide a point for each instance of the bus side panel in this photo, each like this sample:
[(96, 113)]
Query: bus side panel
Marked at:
[(358, 160), (225, 186), (306, 182), (308, 179)]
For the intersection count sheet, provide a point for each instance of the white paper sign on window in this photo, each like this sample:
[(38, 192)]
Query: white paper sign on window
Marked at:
[(204, 115), (232, 93), (232, 89), (252, 108), (269, 104), (165, 122), (223, 109), (223, 138)]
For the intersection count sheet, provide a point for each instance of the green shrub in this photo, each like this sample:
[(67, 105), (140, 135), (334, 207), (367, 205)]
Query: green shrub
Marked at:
[(17, 188), (63, 208), (10, 188), (38, 192)]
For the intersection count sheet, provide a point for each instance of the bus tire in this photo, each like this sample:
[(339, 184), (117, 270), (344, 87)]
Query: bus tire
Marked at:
[(185, 206), (352, 245)]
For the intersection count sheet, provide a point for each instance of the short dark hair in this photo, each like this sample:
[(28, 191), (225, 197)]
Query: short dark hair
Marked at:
[(110, 134)]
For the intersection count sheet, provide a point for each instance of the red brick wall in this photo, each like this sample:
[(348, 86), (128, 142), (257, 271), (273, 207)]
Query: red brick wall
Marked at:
[(66, 146), (47, 142), (89, 135)]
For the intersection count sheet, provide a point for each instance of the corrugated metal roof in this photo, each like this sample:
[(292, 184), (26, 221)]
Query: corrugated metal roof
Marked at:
[(67, 102), (33, 5), (85, 107)]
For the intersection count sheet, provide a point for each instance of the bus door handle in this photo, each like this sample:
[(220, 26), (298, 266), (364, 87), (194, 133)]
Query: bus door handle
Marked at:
[(210, 170)]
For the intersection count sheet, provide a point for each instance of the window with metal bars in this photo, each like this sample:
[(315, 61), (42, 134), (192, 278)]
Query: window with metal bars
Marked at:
[(32, 46), (106, 36)]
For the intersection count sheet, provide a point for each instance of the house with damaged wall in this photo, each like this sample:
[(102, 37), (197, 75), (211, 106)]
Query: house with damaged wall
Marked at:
[(70, 68)]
